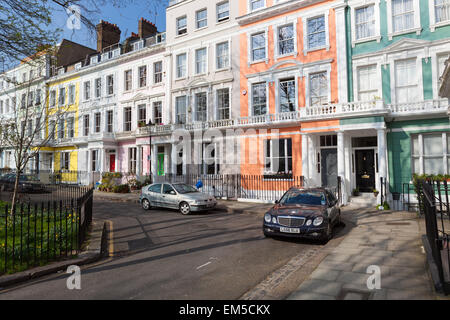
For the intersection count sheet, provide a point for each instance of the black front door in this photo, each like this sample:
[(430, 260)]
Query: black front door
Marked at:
[(329, 167), (365, 170)]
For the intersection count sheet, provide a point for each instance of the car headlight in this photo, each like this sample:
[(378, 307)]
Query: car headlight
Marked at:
[(318, 221), (308, 223), (274, 220), (267, 218)]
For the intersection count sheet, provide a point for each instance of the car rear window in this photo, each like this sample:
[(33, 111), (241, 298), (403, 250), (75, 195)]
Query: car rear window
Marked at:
[(315, 198)]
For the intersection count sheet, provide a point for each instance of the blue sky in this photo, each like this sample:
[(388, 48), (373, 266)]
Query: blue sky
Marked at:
[(126, 17)]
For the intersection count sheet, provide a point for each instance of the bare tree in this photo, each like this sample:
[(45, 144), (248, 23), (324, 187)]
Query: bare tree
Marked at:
[(27, 122)]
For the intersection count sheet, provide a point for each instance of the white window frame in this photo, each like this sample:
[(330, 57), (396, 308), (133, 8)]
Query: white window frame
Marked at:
[(277, 40), (216, 57), (144, 67), (417, 27), (87, 93), (306, 47), (64, 156), (361, 4), (108, 86), (433, 23), (217, 102), (217, 12), (376, 86), (421, 155), (206, 62), (392, 63), (277, 91), (186, 99), (250, 47), (72, 93), (186, 66), (195, 106), (197, 20), (250, 2), (250, 97), (178, 34), (268, 143), (157, 73), (125, 80), (98, 88), (316, 69)]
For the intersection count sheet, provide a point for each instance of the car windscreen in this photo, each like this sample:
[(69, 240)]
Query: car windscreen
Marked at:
[(314, 198), (184, 188)]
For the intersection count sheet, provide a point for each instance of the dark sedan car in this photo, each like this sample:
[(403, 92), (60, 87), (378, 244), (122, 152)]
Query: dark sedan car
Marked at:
[(303, 213)]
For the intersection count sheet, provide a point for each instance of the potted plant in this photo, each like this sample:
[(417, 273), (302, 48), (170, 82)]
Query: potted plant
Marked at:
[(356, 192), (376, 193)]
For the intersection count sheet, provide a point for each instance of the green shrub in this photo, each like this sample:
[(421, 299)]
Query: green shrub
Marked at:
[(123, 188)]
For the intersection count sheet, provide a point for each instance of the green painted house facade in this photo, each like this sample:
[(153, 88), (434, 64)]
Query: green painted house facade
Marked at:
[(396, 53)]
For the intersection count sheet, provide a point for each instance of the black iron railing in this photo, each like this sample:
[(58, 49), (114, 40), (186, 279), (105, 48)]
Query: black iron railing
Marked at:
[(435, 207), (41, 232), (238, 186)]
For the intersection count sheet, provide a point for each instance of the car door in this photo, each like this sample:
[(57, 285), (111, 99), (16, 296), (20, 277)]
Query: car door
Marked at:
[(169, 196), (154, 194)]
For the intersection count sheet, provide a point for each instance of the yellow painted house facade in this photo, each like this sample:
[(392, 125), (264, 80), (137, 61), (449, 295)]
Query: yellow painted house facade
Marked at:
[(62, 128)]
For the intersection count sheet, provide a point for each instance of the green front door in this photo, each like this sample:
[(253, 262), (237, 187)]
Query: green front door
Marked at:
[(160, 164)]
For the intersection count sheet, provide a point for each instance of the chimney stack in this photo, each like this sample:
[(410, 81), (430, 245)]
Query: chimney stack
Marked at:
[(146, 29), (108, 34)]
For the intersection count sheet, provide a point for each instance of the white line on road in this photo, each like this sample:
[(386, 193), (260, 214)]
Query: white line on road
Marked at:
[(203, 265)]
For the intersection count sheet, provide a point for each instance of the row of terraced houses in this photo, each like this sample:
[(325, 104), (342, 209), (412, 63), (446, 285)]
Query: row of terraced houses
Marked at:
[(322, 88)]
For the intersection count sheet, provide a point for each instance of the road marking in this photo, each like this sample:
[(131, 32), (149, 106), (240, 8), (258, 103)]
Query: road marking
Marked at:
[(203, 265)]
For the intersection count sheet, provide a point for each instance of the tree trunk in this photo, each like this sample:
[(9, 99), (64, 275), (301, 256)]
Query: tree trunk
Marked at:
[(15, 193)]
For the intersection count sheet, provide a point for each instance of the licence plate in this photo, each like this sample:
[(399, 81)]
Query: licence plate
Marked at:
[(289, 230)]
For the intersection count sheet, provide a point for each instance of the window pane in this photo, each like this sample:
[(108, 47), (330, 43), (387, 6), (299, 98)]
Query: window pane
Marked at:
[(415, 145), (316, 32), (287, 95), (286, 39), (432, 145), (433, 166)]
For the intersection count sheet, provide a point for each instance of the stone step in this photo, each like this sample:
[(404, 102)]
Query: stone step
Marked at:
[(366, 199)]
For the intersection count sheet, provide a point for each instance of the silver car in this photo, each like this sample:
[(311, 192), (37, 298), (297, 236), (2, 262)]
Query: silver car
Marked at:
[(176, 196)]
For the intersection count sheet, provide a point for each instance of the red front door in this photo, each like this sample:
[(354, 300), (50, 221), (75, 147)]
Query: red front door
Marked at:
[(112, 163)]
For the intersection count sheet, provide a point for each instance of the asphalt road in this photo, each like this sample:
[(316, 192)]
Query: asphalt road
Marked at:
[(161, 254)]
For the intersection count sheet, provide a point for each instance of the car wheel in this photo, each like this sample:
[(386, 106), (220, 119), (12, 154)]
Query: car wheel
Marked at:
[(185, 208), (328, 234), (146, 205)]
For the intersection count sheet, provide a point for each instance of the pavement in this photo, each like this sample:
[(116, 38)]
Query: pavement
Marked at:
[(388, 240), (225, 249)]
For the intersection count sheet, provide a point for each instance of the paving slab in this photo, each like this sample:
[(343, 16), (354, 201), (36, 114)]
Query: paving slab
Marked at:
[(389, 240)]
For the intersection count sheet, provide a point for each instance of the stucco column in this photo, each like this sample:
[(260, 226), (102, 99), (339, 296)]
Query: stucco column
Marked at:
[(305, 158), (341, 164), (173, 159), (153, 156), (139, 162), (382, 156)]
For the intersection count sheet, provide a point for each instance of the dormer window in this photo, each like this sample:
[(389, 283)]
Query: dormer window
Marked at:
[(94, 59), (138, 45)]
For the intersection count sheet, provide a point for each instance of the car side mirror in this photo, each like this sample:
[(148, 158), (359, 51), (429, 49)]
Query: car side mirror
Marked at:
[(277, 201), (172, 192)]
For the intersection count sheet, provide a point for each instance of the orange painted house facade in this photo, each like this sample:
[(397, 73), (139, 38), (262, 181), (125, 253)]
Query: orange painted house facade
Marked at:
[(289, 67)]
